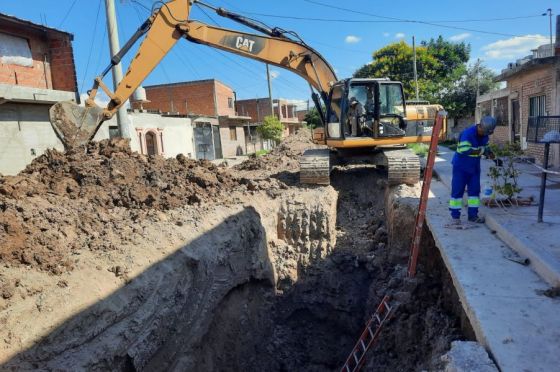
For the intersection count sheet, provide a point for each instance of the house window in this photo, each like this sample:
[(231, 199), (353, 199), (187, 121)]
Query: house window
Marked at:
[(230, 102), (537, 106), (15, 51), (233, 133)]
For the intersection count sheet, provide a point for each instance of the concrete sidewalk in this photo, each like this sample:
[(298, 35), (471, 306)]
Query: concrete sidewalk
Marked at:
[(517, 226), (504, 301)]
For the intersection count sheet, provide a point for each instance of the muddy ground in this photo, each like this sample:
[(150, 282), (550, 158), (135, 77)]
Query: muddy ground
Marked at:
[(118, 261)]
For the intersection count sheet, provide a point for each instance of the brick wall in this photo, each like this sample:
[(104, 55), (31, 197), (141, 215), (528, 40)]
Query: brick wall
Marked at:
[(257, 109), (205, 97), (224, 95), (540, 81), (501, 135), (62, 67), (53, 59)]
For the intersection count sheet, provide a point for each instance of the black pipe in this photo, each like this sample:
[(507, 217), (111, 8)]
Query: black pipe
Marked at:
[(543, 181), (116, 59)]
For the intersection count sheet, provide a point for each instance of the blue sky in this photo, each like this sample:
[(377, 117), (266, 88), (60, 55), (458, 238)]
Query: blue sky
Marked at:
[(347, 46)]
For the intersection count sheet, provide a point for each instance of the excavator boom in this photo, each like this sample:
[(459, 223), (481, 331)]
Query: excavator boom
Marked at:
[(76, 125)]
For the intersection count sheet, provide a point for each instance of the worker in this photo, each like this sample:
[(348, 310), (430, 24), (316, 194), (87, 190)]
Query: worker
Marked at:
[(355, 114), (473, 143)]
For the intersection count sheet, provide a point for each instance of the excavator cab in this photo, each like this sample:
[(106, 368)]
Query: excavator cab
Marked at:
[(366, 108)]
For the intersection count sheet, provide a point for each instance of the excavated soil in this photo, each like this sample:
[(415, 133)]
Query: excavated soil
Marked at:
[(174, 264)]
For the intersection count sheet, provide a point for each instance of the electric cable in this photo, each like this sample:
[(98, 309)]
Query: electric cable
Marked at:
[(67, 13), (91, 49), (415, 21)]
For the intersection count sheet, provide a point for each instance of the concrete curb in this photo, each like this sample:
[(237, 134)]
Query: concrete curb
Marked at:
[(542, 262)]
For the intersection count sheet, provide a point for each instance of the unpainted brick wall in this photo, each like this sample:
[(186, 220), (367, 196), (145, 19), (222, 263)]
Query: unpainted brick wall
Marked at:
[(208, 98), (540, 81), (53, 60)]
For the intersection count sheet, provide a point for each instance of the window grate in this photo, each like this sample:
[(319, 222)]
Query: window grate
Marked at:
[(543, 129)]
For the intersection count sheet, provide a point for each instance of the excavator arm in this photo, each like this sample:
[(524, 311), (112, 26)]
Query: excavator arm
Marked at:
[(76, 125)]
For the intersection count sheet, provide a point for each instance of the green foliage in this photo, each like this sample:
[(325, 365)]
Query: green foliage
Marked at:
[(461, 100), (312, 118), (443, 76), (505, 177), (261, 152), (271, 129), (420, 149)]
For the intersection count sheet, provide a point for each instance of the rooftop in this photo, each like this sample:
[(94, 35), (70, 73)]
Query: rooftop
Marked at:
[(33, 25), (183, 83)]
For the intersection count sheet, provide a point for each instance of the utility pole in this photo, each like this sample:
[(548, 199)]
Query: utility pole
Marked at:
[(113, 33), (270, 91), (550, 28), (415, 73)]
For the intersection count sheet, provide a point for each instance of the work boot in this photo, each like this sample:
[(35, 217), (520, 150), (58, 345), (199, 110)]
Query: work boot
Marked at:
[(477, 219), (455, 223)]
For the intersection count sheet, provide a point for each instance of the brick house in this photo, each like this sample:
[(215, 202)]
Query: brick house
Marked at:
[(496, 104), (36, 70), (534, 90), (219, 132), (258, 108)]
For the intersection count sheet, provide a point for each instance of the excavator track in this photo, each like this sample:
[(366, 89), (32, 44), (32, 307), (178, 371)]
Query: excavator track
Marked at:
[(315, 167), (403, 166)]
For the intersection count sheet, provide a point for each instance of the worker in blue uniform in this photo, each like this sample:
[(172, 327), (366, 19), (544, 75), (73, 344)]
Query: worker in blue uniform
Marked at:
[(473, 143)]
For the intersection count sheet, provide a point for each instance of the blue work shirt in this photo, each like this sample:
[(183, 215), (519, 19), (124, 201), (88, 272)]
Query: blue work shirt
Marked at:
[(469, 140)]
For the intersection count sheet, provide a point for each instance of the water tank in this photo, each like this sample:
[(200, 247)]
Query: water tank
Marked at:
[(139, 95)]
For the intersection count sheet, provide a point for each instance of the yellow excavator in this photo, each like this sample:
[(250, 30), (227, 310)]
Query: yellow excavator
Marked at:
[(361, 117)]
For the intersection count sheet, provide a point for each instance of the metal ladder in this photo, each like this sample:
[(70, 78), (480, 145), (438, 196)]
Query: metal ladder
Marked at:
[(368, 336)]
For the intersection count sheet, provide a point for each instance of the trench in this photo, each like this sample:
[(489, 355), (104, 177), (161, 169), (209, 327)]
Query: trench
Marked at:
[(286, 285), (311, 324)]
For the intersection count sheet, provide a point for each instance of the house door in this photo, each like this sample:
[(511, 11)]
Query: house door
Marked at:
[(151, 143), (515, 121)]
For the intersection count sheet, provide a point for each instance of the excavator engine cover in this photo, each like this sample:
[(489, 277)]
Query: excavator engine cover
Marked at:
[(75, 125)]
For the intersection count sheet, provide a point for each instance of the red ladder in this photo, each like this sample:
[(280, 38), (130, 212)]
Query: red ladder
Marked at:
[(369, 336), (421, 215)]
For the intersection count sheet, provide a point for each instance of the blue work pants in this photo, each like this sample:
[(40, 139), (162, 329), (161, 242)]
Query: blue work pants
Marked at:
[(462, 179)]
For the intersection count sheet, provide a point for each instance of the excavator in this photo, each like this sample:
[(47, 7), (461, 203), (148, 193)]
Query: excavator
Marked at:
[(361, 117)]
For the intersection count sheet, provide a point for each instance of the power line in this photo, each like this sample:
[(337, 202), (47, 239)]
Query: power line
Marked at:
[(67, 13), (343, 20), (92, 42), (415, 21)]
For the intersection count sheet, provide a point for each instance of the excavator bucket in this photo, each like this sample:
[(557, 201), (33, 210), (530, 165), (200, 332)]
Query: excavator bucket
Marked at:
[(75, 125)]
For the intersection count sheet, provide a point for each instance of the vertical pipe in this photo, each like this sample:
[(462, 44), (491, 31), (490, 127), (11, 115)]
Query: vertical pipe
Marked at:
[(543, 181), (113, 33), (415, 73), (270, 92)]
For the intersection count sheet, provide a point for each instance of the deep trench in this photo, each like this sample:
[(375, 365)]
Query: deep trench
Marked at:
[(312, 324)]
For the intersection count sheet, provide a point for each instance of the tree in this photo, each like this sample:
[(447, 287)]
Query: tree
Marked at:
[(271, 129), (443, 76), (461, 101), (312, 118)]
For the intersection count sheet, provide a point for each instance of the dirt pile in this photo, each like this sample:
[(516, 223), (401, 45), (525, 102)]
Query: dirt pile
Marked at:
[(94, 199), (283, 157)]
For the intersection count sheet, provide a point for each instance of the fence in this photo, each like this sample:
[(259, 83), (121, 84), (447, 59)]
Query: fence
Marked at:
[(543, 129)]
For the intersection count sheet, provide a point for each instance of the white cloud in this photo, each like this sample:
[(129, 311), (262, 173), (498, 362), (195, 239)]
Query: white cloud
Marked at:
[(460, 37), (399, 35), (351, 39), (515, 47), (386, 34)]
